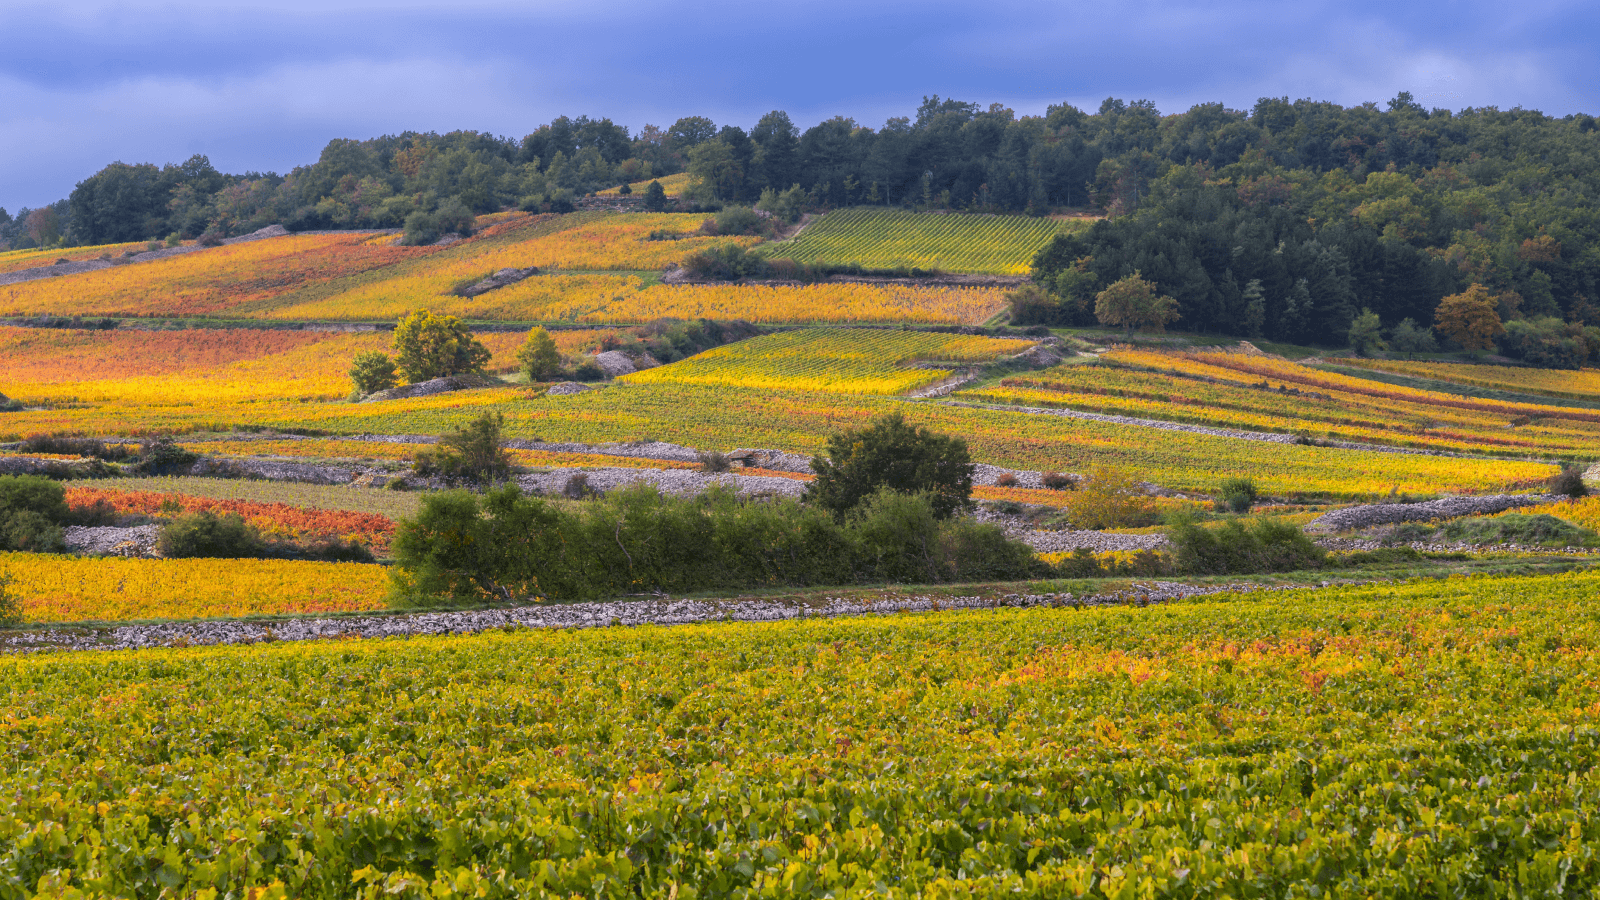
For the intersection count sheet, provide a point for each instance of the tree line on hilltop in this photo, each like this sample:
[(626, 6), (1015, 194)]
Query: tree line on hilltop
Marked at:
[(1283, 221)]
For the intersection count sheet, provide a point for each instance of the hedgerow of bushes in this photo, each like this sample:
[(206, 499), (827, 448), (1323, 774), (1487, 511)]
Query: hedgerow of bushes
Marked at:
[(505, 546)]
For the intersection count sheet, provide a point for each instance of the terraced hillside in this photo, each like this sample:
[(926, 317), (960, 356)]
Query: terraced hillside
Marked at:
[(589, 267), (1256, 393)]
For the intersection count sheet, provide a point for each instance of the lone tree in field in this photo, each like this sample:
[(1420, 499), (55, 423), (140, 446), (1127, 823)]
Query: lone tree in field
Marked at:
[(891, 454), (372, 371), (1132, 302), (540, 359), (429, 346), (1469, 318)]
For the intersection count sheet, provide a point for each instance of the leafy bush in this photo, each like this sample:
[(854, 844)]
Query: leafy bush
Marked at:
[(9, 405), (1234, 548), (206, 535), (577, 487), (714, 461), (1237, 495), (1109, 499), (373, 371), (31, 512), (1384, 556), (328, 550), (472, 453), (507, 546), (587, 370), (162, 457), (669, 340), (739, 220), (77, 446), (1006, 479), (99, 513), (1518, 528), (890, 454), (421, 228), (1568, 481), (1056, 481), (729, 262)]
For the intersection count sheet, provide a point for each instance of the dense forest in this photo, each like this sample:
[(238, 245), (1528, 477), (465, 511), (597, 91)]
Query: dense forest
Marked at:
[(1283, 221)]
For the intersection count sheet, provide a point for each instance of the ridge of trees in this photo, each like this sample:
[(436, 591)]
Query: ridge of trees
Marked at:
[(951, 154), (1289, 240), (1282, 221)]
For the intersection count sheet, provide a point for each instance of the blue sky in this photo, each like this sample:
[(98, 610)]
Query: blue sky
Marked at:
[(263, 85)]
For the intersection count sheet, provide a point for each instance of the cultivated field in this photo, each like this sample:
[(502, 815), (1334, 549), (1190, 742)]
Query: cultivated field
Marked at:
[(888, 239), (15, 260), (1580, 385), (1260, 394), (832, 360), (53, 588), (1435, 737)]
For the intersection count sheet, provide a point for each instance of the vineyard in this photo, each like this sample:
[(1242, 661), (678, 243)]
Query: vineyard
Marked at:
[(813, 383), (274, 521), (1230, 391), (226, 374), (333, 448), (56, 588), (211, 282), (833, 360), (726, 417), (392, 505), (14, 260), (1583, 384), (361, 276), (672, 185), (890, 239), (1436, 738)]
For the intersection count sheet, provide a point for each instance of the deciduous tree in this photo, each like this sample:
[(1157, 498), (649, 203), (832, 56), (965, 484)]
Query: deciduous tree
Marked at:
[(540, 359), (1469, 318), (1366, 334), (1132, 302), (432, 346), (892, 454)]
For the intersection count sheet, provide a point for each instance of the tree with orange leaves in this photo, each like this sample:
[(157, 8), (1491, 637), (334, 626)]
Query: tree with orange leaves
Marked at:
[(1470, 318)]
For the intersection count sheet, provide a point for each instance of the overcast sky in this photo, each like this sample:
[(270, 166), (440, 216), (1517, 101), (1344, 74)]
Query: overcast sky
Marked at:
[(264, 85)]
